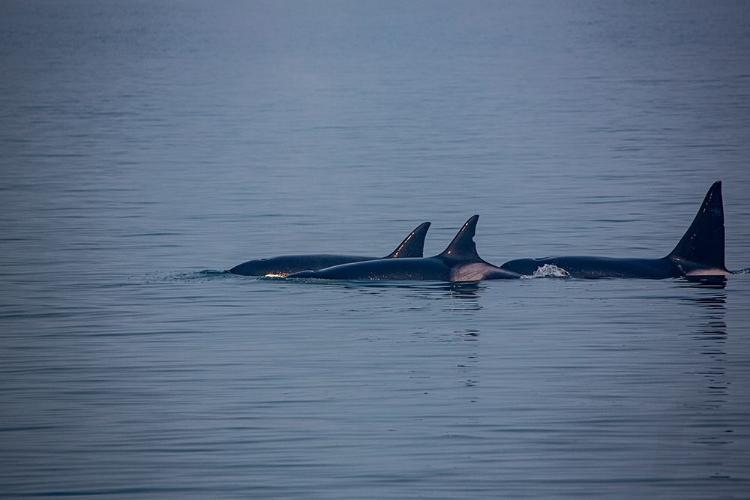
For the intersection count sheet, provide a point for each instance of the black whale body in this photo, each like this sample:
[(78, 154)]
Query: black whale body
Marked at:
[(459, 262), (284, 265), (700, 252)]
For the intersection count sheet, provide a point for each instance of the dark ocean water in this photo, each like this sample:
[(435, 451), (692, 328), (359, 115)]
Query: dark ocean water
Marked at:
[(146, 147)]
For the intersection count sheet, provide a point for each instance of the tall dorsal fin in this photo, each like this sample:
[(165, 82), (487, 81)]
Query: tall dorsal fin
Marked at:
[(703, 243), (463, 246), (413, 245)]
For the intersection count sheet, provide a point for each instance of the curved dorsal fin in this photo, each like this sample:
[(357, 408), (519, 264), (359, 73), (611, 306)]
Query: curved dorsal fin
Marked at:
[(413, 245), (703, 243), (463, 246)]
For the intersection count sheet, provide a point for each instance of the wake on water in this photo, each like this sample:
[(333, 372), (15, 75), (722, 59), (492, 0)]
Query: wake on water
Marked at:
[(545, 271), (205, 275)]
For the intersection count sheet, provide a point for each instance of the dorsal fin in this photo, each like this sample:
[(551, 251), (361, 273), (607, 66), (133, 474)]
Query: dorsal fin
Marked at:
[(703, 243), (413, 245), (463, 246)]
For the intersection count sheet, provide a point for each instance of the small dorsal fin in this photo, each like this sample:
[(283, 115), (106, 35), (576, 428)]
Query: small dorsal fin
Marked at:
[(703, 243), (413, 245), (463, 246)]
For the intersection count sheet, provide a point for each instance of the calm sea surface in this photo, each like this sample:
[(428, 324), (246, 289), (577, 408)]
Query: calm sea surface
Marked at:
[(146, 147)]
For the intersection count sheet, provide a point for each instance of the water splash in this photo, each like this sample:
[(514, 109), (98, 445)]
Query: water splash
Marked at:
[(549, 271)]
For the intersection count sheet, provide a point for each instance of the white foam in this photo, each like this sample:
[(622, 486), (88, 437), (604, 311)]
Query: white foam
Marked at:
[(550, 270)]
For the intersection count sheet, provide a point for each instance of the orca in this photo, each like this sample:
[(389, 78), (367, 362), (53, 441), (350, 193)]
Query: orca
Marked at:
[(284, 265), (700, 252), (459, 262)]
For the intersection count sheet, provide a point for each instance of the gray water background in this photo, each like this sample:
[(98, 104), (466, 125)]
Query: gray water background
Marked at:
[(147, 146)]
